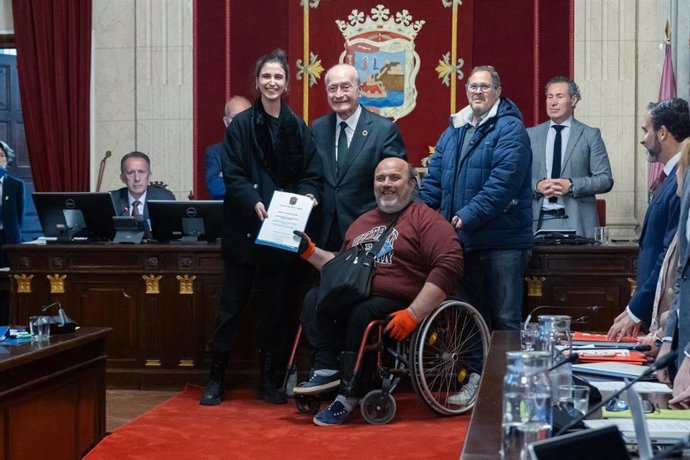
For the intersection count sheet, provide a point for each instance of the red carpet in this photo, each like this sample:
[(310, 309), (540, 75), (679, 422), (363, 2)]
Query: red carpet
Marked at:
[(244, 427)]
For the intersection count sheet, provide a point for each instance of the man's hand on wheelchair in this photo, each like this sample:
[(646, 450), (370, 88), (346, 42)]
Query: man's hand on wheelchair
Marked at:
[(306, 246), (400, 324)]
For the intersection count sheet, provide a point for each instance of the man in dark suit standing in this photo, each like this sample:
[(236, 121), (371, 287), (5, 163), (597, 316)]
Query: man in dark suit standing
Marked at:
[(135, 172), (214, 169), (351, 141), (569, 165), (666, 125)]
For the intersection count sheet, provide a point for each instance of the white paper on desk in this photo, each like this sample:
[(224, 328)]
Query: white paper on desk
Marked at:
[(611, 369), (286, 213), (659, 429), (640, 387)]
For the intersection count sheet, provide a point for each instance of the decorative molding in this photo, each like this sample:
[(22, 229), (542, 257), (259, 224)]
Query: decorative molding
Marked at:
[(57, 283), (153, 363), (23, 283), (152, 283), (535, 286), (186, 284), (186, 363)]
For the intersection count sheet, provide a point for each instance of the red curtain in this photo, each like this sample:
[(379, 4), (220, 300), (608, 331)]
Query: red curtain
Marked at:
[(53, 40)]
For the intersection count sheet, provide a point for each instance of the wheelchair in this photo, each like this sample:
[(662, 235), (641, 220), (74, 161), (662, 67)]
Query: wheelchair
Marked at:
[(444, 350)]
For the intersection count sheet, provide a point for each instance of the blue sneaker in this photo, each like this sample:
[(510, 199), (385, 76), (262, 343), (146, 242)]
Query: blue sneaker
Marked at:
[(318, 384), (334, 414)]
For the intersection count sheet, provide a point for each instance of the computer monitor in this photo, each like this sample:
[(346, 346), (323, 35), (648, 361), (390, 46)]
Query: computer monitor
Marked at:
[(198, 220), (76, 214)]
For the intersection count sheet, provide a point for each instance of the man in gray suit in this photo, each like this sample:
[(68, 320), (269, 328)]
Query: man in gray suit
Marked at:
[(351, 141), (569, 165)]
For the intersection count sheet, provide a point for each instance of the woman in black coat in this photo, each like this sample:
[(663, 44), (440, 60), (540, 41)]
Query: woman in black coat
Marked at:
[(12, 207), (267, 148)]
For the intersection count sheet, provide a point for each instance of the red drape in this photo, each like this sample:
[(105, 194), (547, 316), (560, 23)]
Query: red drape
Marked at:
[(54, 63)]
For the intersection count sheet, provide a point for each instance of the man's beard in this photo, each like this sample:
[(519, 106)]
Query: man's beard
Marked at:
[(393, 206)]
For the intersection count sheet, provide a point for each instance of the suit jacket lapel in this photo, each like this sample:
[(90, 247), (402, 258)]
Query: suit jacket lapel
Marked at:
[(682, 224), (329, 165), (540, 146), (576, 130), (359, 139)]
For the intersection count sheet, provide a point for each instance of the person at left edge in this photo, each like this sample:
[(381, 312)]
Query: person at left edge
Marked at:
[(267, 148), (135, 172), (12, 206)]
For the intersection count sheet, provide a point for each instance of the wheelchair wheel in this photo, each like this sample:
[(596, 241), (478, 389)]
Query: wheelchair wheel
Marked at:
[(447, 348), (377, 409), (307, 404)]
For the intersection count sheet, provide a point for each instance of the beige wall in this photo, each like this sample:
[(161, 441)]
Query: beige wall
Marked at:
[(142, 88), (6, 25)]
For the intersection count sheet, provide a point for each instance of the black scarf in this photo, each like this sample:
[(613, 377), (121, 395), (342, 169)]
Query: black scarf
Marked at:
[(283, 152)]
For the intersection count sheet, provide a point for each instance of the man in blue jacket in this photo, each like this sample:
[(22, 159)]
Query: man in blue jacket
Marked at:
[(480, 179)]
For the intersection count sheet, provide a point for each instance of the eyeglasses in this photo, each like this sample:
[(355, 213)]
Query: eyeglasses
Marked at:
[(618, 405), (481, 88), (344, 88)]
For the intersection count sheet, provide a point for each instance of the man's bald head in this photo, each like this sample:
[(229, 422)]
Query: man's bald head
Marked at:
[(235, 105)]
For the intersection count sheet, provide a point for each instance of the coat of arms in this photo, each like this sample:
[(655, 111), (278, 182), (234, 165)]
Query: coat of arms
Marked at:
[(381, 47)]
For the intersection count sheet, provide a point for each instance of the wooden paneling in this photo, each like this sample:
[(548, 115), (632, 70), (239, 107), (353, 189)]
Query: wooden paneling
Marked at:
[(581, 276)]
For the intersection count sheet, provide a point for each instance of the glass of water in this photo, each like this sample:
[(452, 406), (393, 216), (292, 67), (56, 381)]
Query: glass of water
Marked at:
[(574, 396), (39, 326)]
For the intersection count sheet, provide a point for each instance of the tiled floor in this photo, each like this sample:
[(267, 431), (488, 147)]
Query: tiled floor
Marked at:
[(121, 406)]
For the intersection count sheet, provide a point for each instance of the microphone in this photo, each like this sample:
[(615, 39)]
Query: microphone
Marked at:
[(580, 320), (659, 364), (671, 450)]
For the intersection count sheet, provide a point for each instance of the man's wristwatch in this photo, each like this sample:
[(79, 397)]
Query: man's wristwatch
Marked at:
[(570, 188)]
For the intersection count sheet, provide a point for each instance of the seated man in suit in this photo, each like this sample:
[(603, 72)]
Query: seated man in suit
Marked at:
[(569, 165), (351, 141), (214, 169), (135, 172)]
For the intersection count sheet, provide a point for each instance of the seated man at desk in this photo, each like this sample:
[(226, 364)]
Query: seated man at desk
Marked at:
[(417, 268), (569, 165), (135, 172)]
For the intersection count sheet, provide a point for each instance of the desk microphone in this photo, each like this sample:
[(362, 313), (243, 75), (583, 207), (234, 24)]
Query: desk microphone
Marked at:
[(659, 364), (592, 308)]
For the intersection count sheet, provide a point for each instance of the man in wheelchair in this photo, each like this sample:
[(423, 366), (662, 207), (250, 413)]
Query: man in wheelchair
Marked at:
[(416, 269)]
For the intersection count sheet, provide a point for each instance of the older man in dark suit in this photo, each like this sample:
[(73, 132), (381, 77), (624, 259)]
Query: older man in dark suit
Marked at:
[(135, 172), (569, 165), (666, 125), (351, 141)]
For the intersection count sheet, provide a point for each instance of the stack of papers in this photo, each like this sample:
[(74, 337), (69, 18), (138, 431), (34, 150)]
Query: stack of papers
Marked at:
[(611, 369), (583, 338), (621, 356), (660, 431)]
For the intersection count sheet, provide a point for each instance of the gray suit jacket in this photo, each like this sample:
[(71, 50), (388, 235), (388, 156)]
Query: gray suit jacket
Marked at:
[(678, 322), (350, 193), (585, 162)]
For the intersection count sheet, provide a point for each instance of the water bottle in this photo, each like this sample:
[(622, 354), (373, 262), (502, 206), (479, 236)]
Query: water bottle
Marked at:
[(555, 339), (526, 403)]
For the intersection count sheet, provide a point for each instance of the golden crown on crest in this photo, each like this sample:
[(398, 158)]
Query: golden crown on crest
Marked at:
[(380, 21)]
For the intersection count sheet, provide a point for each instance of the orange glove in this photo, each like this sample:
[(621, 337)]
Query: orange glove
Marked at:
[(400, 324), (306, 246)]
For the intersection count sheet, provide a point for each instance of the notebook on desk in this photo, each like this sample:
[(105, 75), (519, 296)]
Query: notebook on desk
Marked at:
[(611, 369)]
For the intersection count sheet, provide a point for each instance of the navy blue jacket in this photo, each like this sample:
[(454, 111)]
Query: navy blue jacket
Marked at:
[(12, 209), (489, 187), (660, 225), (214, 180)]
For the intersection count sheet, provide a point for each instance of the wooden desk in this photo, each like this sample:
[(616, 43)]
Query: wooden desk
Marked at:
[(52, 396), (582, 275), (159, 299), (483, 439)]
